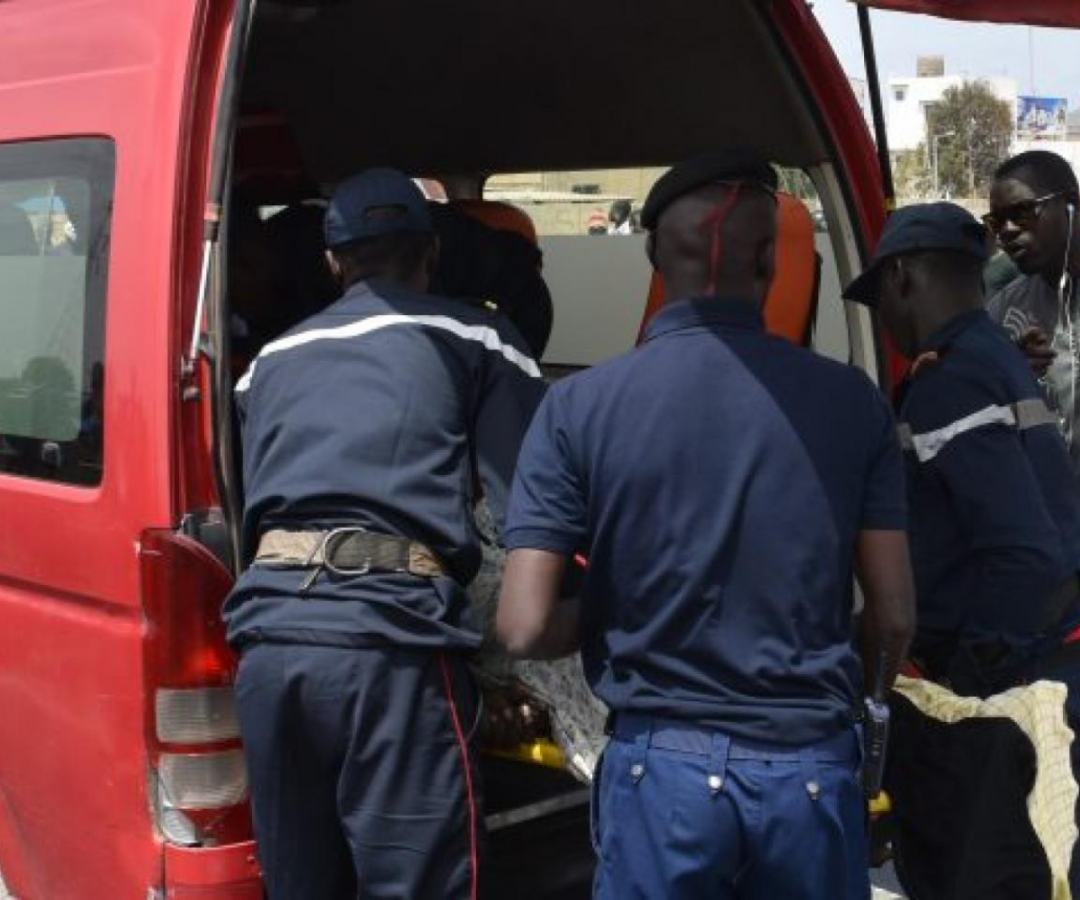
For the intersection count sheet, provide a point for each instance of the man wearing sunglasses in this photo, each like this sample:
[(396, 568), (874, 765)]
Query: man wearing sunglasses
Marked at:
[(1033, 213)]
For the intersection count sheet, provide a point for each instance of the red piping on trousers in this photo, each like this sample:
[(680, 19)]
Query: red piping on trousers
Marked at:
[(469, 793)]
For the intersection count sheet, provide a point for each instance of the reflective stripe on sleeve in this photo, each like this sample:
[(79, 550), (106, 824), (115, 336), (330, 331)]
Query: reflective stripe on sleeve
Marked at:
[(482, 334), (1021, 416)]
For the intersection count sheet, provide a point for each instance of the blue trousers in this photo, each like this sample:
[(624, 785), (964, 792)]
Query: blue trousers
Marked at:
[(363, 785), (682, 813)]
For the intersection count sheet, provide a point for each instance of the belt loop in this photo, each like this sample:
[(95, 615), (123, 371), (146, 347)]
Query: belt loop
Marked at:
[(718, 762), (639, 751)]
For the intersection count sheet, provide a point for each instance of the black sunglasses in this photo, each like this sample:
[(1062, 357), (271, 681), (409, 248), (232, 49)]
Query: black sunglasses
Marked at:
[(1022, 213)]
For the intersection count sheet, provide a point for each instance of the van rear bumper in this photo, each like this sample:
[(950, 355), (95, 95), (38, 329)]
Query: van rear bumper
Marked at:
[(212, 873)]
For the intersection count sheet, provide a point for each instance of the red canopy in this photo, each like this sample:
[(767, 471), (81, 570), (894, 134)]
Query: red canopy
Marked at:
[(1060, 13)]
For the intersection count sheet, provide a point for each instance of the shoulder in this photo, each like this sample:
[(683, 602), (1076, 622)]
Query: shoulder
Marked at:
[(962, 381)]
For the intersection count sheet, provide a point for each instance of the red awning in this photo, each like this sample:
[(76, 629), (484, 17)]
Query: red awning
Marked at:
[(1059, 13)]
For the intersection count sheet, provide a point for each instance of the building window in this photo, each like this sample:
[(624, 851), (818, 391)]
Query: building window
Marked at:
[(55, 207), (899, 94)]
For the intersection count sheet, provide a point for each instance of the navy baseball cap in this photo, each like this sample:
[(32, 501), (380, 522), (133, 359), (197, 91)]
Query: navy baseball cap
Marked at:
[(924, 226), (734, 164), (375, 203)]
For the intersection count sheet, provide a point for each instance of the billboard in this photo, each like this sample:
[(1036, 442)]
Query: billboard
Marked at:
[(1041, 117)]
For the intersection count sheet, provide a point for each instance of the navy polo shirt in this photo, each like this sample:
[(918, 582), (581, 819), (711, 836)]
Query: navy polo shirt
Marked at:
[(716, 477), (995, 515), (387, 410)]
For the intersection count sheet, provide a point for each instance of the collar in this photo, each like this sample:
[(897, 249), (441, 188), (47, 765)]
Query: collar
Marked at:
[(949, 332), (726, 312)]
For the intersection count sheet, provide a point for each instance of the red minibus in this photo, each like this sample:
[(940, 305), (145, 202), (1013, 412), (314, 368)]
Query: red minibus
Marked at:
[(131, 134)]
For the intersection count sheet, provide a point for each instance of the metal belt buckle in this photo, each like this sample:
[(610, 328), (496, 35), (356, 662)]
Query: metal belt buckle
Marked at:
[(328, 549)]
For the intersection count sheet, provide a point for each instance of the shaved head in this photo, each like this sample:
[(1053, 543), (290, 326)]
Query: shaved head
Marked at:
[(718, 239)]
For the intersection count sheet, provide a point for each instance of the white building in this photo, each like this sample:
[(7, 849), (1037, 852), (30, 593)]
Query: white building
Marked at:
[(910, 99)]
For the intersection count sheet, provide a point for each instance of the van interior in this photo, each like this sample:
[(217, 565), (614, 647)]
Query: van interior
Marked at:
[(568, 112)]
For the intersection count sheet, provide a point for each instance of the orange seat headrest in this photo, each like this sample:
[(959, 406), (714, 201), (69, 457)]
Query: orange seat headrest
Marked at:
[(499, 215), (790, 302)]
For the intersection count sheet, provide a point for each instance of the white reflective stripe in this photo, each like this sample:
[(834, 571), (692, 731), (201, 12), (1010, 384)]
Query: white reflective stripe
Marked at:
[(482, 334), (930, 444), (242, 385)]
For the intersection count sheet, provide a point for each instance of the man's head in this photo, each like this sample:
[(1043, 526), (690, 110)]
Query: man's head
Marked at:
[(712, 226), (378, 227), (926, 271), (1033, 208), (619, 212)]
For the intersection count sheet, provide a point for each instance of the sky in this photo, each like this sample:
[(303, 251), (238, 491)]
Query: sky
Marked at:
[(969, 48)]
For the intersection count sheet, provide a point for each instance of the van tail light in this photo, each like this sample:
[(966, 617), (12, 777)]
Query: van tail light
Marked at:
[(200, 787)]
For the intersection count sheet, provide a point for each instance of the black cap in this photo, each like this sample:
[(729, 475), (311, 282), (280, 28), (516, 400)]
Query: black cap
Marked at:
[(375, 203), (724, 165), (924, 226)]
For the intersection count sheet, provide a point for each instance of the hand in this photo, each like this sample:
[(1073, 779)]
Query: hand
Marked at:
[(1036, 346)]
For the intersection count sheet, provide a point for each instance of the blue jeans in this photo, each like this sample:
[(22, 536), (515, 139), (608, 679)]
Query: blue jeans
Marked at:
[(682, 812)]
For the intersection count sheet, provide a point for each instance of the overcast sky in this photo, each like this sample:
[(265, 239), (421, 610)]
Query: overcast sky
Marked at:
[(968, 47)]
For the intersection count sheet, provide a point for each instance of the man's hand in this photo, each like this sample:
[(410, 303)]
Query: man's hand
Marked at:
[(1036, 346)]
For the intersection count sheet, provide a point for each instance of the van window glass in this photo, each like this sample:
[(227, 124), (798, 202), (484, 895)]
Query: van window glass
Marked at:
[(596, 268), (594, 255), (55, 207)]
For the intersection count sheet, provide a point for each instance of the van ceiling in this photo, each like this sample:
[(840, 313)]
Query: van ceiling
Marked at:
[(485, 86)]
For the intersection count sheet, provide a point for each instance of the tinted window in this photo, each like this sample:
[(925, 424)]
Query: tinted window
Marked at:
[(55, 207)]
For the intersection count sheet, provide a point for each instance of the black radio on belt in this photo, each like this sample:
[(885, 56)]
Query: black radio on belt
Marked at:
[(875, 735)]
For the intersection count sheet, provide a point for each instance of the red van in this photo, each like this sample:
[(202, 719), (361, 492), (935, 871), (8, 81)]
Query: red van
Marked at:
[(129, 131)]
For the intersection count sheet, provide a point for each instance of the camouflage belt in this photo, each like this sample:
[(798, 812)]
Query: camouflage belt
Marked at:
[(348, 551)]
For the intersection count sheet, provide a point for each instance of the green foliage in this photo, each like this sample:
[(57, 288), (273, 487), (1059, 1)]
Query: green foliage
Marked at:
[(911, 175), (974, 130)]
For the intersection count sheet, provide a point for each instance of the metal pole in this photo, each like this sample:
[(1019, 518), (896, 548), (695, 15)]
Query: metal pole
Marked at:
[(874, 87), (934, 159)]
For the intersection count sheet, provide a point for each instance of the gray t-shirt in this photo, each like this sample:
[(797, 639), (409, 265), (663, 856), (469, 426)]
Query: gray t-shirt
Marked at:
[(1029, 302)]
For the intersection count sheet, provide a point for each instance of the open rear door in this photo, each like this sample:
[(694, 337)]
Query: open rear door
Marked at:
[(1053, 13)]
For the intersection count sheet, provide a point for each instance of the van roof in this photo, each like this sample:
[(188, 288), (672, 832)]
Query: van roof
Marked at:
[(489, 86)]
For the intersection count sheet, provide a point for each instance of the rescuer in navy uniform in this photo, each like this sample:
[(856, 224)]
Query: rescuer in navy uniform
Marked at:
[(721, 482), (995, 515), (366, 431)]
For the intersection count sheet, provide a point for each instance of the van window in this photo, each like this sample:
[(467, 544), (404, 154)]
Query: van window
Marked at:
[(55, 206), (597, 270), (594, 256)]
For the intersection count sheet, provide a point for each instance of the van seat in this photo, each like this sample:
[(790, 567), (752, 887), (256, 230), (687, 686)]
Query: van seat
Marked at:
[(792, 298), (16, 232), (499, 215), (490, 251)]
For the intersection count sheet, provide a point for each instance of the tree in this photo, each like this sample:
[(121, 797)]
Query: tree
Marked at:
[(912, 176), (973, 130)]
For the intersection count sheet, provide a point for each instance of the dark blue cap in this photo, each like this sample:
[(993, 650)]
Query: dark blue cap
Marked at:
[(375, 203), (924, 226)]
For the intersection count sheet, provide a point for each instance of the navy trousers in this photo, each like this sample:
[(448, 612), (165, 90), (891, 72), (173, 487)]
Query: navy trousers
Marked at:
[(362, 779), (683, 813)]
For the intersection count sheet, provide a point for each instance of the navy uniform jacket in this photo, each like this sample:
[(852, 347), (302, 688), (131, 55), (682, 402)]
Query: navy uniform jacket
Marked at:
[(380, 411), (995, 515), (716, 477)]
